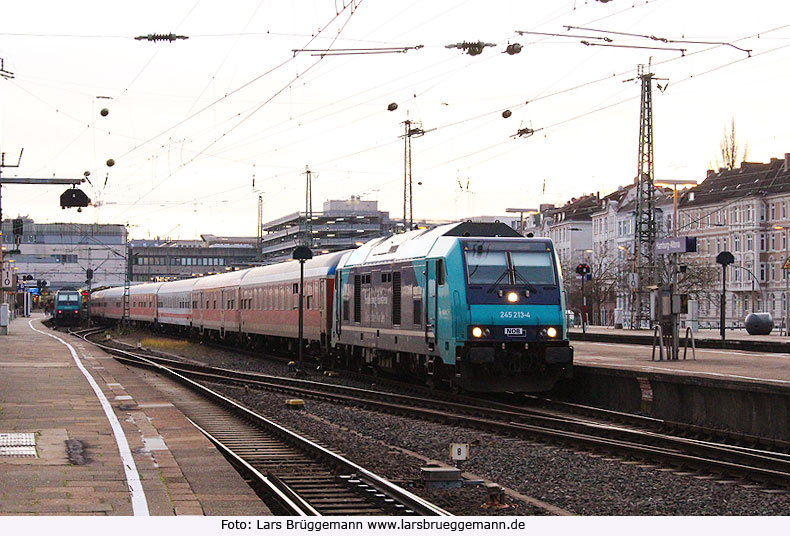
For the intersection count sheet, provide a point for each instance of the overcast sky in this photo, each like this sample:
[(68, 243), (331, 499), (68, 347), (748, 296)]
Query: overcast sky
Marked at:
[(192, 122)]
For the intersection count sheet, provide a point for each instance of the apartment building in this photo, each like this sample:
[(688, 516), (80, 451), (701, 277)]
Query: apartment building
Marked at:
[(745, 211)]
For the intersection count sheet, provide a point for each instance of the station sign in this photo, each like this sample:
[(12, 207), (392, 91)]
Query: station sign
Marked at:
[(680, 244)]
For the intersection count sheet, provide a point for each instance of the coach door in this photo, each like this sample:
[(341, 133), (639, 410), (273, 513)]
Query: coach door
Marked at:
[(201, 309)]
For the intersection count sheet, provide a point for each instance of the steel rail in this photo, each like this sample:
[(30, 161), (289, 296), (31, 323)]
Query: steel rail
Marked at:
[(674, 449), (411, 501)]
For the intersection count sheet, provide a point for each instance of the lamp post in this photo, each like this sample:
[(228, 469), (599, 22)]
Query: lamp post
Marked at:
[(724, 258), (301, 254), (521, 211), (754, 279), (675, 183), (785, 268)]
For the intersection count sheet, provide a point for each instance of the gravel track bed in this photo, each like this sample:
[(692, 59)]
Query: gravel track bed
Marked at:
[(581, 483)]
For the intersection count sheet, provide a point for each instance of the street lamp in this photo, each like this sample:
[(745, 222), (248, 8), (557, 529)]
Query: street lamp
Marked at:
[(785, 268), (522, 211), (301, 254), (724, 258), (675, 183), (754, 278)]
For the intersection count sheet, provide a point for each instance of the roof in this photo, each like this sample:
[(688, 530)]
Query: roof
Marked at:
[(750, 179), (418, 244), (579, 209), (320, 265)]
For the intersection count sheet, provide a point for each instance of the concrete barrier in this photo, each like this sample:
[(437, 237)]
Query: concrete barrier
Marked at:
[(749, 408)]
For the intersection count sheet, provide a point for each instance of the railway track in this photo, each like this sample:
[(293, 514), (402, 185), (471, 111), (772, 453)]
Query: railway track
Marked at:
[(632, 436), (296, 475)]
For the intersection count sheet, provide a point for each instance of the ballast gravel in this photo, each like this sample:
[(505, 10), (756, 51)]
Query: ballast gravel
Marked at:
[(577, 482)]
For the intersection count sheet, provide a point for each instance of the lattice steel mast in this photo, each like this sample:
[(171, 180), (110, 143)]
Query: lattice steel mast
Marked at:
[(645, 217)]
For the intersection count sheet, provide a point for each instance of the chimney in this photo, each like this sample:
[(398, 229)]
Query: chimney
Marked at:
[(787, 162)]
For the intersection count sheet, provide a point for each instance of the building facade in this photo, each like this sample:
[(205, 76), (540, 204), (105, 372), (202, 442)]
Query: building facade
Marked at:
[(745, 211), (62, 253), (168, 260), (342, 224)]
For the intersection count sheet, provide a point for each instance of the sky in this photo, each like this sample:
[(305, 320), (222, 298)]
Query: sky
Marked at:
[(199, 128)]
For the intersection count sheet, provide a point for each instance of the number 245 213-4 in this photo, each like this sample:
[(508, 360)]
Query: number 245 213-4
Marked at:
[(514, 314)]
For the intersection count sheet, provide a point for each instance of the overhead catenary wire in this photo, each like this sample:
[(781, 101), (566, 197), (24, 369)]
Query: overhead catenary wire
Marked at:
[(276, 145), (556, 124), (257, 108)]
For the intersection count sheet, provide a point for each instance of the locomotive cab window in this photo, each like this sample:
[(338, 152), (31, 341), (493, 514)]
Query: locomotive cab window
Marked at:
[(533, 266), (518, 266), (486, 267)]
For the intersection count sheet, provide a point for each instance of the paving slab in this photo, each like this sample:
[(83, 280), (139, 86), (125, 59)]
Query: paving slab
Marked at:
[(79, 468)]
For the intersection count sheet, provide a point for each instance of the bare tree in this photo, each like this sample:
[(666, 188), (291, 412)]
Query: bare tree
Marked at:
[(729, 149)]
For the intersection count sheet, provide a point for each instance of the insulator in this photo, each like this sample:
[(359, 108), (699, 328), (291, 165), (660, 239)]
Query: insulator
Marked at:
[(514, 48), (474, 49), (506, 114), (392, 107)]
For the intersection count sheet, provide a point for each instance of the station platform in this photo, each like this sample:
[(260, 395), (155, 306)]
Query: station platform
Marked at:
[(742, 387), (107, 440), (617, 348), (702, 334)]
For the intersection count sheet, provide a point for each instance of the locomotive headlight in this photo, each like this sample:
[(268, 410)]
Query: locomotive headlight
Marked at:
[(477, 332), (512, 297), (551, 332)]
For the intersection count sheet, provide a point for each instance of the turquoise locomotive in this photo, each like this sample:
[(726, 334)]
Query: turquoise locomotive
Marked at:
[(473, 305), (67, 307)]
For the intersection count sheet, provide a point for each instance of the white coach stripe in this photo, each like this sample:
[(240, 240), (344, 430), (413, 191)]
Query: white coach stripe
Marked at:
[(139, 504)]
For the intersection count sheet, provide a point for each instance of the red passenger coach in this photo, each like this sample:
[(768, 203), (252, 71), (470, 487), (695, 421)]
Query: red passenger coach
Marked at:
[(269, 300), (217, 298), (107, 303), (143, 302)]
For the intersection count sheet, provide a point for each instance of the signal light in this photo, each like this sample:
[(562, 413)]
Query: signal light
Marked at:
[(583, 269), (74, 197)]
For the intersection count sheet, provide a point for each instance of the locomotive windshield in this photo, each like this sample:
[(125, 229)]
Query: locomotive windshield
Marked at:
[(68, 297), (509, 264)]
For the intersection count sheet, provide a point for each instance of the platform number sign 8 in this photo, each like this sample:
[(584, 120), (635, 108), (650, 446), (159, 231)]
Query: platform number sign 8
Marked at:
[(459, 451)]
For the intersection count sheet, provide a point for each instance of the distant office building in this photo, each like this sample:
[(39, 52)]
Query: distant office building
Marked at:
[(167, 260), (62, 253), (342, 224)]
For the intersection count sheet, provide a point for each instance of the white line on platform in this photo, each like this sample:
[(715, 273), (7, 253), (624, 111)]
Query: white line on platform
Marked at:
[(139, 504)]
